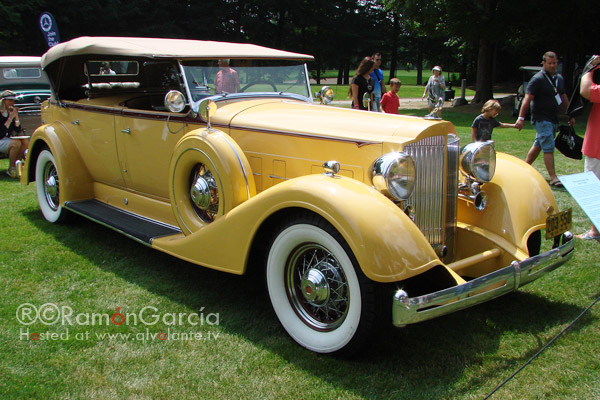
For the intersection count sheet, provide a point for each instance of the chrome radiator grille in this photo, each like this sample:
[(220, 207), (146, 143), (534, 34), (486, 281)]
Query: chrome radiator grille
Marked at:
[(434, 196)]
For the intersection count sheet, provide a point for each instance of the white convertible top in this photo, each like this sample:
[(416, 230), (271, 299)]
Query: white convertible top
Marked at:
[(19, 61), (165, 48)]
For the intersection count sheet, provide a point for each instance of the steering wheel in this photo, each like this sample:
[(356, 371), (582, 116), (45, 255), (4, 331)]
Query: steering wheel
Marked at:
[(258, 83)]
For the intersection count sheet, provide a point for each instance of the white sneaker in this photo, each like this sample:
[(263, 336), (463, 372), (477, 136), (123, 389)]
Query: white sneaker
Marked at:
[(12, 172), (432, 116)]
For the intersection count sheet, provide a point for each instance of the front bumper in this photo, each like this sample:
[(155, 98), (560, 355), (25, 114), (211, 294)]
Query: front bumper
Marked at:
[(409, 310)]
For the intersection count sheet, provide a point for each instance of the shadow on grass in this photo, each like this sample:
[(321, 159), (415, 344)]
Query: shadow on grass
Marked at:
[(426, 358)]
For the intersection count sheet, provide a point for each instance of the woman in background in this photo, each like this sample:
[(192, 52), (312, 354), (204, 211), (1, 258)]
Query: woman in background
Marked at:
[(362, 84)]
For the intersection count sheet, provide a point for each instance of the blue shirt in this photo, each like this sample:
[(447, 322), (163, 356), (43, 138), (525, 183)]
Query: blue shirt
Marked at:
[(377, 76)]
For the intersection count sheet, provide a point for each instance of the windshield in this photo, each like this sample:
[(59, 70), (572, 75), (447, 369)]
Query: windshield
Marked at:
[(229, 77), (21, 73)]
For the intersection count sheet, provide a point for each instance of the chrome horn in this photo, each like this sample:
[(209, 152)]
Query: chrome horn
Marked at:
[(475, 195)]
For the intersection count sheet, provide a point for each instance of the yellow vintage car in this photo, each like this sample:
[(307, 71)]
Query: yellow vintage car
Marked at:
[(216, 153)]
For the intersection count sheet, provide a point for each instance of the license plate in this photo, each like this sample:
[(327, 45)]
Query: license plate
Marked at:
[(558, 223)]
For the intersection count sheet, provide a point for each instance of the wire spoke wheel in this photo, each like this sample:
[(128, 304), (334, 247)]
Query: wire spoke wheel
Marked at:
[(316, 287), (51, 186), (47, 184)]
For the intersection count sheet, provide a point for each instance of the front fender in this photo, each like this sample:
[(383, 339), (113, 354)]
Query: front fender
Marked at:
[(76, 182), (387, 244), (519, 200), (230, 169)]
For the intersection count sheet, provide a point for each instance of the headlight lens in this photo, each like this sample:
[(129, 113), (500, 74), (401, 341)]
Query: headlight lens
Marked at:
[(394, 175), (478, 160), (174, 101), (325, 95)]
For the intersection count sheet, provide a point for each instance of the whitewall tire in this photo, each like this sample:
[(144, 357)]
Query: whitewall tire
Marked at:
[(47, 184), (317, 290)]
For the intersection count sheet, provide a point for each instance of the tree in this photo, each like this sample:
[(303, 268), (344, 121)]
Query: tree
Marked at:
[(480, 22), (463, 21), (466, 35), (423, 27)]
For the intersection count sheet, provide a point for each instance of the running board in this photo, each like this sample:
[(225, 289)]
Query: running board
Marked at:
[(142, 229)]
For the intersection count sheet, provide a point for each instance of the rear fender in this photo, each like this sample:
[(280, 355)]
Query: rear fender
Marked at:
[(76, 182)]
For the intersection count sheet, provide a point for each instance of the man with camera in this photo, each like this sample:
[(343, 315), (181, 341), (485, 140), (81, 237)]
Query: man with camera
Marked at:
[(9, 127)]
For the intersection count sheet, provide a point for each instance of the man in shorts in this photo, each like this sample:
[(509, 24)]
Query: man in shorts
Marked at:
[(546, 95), (591, 141)]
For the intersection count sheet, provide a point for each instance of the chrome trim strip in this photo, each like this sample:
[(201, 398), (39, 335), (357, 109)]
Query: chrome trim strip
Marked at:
[(279, 177), (451, 196), (259, 95), (239, 161), (133, 113), (185, 84), (409, 310), (307, 82)]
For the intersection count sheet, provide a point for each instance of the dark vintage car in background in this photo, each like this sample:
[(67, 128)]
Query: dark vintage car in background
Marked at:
[(528, 72), (24, 76)]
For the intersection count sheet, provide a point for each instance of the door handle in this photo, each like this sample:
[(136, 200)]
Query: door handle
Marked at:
[(127, 131)]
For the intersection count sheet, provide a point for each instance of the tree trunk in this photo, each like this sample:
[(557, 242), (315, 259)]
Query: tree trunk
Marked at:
[(419, 63), (318, 77), (347, 74), (483, 85)]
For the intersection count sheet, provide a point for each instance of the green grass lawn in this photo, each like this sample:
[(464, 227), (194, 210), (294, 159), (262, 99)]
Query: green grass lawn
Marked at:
[(243, 353), (409, 89), (407, 77), (405, 92)]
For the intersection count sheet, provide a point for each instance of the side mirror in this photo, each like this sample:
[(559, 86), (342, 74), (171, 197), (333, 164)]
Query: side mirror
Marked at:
[(175, 101), (207, 109), (325, 95)]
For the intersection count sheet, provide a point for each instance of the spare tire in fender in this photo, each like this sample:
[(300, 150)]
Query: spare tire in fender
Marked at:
[(210, 176)]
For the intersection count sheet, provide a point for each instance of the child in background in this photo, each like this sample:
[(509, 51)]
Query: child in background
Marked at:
[(390, 100), (486, 122)]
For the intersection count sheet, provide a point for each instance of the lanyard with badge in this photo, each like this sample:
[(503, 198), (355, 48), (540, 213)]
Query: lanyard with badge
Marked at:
[(556, 94)]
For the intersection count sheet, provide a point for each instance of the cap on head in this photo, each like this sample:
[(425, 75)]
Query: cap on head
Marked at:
[(8, 95), (437, 68)]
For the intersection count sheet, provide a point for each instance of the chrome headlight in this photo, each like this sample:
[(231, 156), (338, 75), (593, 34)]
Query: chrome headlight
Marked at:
[(325, 95), (175, 101), (394, 175), (478, 160)]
